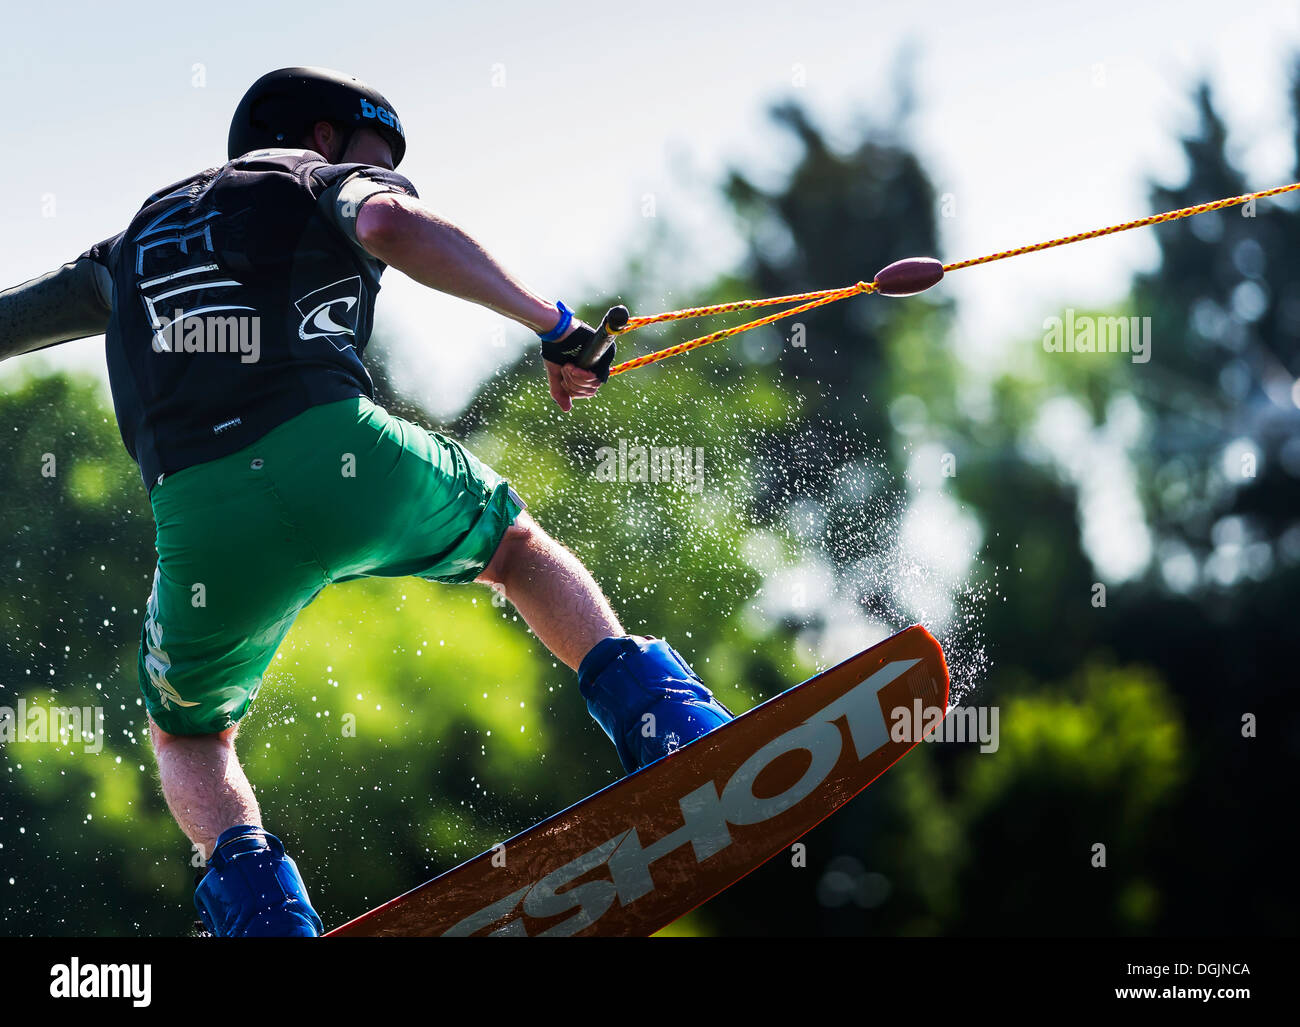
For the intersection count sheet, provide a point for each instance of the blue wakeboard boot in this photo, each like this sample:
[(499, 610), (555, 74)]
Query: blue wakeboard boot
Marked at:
[(253, 890), (647, 699)]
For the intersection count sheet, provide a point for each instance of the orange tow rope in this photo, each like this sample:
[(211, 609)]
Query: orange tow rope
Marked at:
[(809, 300)]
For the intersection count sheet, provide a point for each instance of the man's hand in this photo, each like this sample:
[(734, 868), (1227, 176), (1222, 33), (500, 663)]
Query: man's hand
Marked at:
[(569, 381)]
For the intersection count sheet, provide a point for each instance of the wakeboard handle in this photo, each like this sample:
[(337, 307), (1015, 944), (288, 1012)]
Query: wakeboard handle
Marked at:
[(614, 321)]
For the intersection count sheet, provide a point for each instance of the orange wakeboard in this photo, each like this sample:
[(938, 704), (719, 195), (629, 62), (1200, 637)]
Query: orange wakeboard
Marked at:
[(636, 855)]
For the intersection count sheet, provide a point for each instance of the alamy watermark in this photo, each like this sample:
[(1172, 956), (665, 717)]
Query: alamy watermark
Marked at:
[(678, 465), (1082, 333), (921, 723), (210, 333), (53, 725), (75, 979)]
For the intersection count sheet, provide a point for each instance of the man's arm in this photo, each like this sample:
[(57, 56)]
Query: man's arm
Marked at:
[(403, 233), (69, 303)]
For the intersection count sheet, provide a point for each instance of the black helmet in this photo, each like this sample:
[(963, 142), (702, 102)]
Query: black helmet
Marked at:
[(282, 106)]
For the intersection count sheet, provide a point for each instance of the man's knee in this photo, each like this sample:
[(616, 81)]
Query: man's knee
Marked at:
[(162, 739), (520, 538)]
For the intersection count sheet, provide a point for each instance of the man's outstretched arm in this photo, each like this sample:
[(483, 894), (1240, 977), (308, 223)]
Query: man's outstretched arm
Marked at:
[(403, 233), (406, 235), (72, 302)]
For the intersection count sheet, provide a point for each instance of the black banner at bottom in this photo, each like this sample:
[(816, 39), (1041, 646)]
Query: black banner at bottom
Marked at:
[(652, 978)]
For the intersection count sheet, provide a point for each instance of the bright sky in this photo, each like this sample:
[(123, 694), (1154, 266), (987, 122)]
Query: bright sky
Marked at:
[(540, 128)]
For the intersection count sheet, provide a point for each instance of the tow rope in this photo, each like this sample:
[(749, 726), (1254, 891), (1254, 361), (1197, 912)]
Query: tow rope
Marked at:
[(902, 278)]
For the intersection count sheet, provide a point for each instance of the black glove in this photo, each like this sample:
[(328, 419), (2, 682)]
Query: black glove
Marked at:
[(568, 349)]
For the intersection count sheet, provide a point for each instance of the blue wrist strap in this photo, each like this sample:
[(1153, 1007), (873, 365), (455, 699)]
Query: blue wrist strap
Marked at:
[(566, 319)]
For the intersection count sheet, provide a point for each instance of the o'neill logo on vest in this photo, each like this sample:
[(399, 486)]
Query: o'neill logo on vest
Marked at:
[(643, 851), (331, 313)]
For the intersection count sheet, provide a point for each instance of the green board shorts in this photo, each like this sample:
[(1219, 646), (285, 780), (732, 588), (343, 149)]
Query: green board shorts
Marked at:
[(343, 490)]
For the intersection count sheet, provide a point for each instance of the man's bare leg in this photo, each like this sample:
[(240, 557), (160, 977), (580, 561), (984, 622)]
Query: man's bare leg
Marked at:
[(552, 590), (651, 702), (208, 794), (204, 785)]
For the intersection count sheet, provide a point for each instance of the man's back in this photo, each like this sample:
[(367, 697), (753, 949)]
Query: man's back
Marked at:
[(240, 300)]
